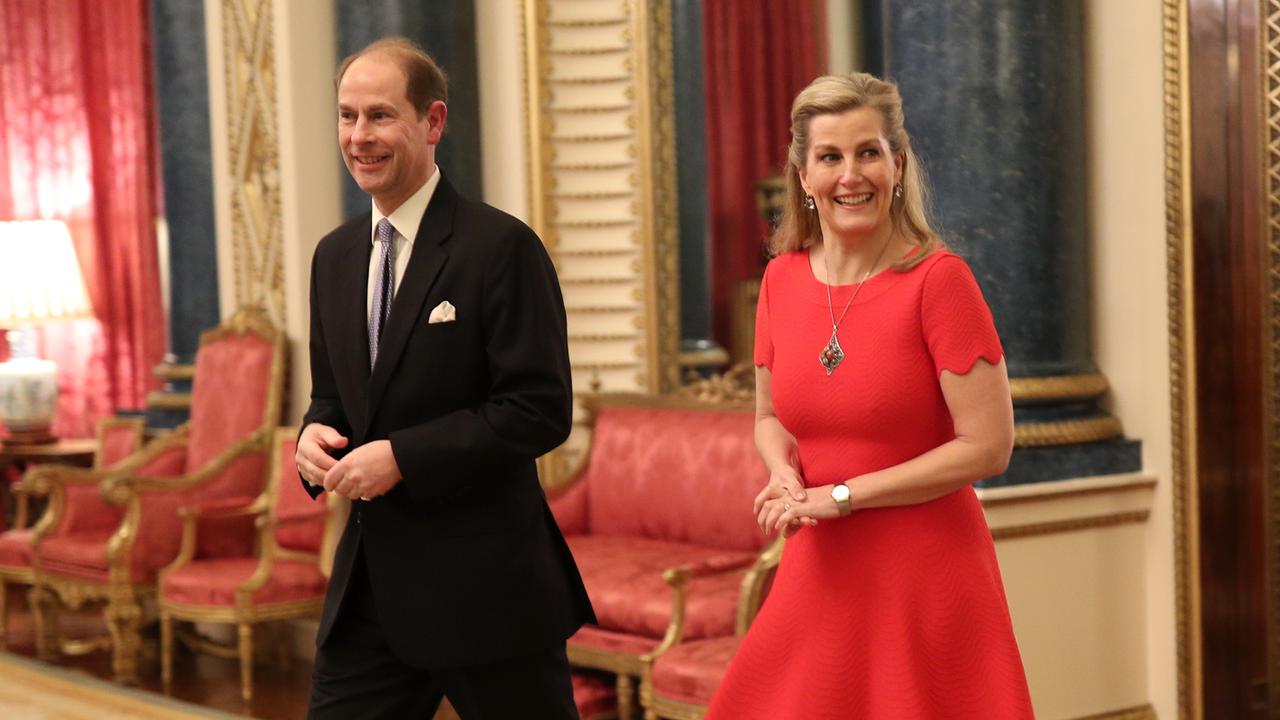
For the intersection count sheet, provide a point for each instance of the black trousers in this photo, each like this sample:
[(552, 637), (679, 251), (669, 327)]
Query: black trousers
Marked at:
[(358, 676)]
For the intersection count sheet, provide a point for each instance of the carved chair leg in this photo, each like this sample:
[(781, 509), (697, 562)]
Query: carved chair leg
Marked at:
[(123, 620), (166, 649), (246, 661), (626, 697), (46, 609)]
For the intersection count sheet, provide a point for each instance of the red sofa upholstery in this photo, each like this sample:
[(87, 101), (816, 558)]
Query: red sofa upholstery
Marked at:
[(667, 483)]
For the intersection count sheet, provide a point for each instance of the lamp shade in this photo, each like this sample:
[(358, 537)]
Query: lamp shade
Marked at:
[(40, 280)]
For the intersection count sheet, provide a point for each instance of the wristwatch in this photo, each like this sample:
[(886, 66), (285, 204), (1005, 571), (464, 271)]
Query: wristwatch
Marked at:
[(840, 493)]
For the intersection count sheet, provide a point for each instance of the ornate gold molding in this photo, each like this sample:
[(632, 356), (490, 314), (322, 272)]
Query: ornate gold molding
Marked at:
[(254, 155), (1066, 432), (1055, 527), (1139, 712), (601, 133), (1058, 387), (1270, 79), (736, 387), (1181, 359)]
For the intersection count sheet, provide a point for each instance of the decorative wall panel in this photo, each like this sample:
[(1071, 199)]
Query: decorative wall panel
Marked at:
[(256, 229), (602, 184)]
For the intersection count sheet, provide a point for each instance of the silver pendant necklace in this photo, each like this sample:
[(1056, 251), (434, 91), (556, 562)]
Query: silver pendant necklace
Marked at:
[(832, 355)]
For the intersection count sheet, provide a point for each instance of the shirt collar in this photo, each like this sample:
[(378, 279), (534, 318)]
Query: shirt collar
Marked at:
[(406, 218)]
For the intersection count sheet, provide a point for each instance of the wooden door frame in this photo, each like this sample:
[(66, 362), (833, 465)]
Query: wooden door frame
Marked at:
[(1222, 139)]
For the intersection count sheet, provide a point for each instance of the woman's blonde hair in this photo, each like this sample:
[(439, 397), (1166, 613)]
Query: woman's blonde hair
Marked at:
[(833, 95)]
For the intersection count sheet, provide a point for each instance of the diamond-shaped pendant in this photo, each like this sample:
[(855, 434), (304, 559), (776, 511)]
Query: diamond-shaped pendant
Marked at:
[(832, 355)]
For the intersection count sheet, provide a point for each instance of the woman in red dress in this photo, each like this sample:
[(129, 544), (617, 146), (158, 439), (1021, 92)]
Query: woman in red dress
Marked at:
[(881, 396)]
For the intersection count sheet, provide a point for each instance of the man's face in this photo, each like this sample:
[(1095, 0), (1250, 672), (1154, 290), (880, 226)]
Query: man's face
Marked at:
[(388, 149)]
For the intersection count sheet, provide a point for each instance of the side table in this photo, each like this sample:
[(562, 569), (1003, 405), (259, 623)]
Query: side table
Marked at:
[(78, 452)]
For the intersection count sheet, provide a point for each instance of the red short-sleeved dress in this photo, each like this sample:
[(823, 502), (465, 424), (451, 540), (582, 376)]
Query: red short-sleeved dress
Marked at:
[(891, 613)]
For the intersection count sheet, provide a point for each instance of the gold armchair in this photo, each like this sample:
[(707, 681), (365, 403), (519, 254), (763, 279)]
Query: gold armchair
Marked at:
[(679, 678), (284, 578), (117, 439), (218, 454)]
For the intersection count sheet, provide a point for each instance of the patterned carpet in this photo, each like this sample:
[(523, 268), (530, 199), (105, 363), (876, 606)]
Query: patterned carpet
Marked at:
[(35, 691)]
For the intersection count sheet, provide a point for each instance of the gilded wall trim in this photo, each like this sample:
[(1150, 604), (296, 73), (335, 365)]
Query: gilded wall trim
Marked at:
[(1054, 527), (254, 156), (1181, 360), (599, 99), (600, 124), (1140, 712), (1270, 78)]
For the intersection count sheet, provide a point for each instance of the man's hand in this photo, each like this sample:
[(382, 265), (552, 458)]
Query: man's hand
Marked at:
[(312, 457), (365, 473)]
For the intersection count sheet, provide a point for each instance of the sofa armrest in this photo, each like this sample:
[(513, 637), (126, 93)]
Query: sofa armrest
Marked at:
[(678, 578)]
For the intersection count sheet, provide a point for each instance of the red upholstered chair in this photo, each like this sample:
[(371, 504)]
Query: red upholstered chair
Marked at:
[(219, 453), (284, 577), (668, 482), (680, 678), (117, 439)]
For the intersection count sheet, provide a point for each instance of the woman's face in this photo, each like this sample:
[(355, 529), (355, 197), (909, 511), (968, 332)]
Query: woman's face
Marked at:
[(851, 173)]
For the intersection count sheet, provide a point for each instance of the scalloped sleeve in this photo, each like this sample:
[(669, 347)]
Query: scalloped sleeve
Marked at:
[(764, 339), (956, 321)]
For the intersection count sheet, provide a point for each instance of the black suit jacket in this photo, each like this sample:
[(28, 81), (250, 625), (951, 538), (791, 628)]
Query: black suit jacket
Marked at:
[(465, 559)]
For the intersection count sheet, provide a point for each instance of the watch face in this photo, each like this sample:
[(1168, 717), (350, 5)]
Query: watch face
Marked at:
[(840, 492)]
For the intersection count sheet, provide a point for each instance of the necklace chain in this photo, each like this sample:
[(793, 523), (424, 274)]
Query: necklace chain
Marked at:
[(832, 355), (835, 324)]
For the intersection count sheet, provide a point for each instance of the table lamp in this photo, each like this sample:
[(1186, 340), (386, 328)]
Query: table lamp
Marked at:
[(40, 282)]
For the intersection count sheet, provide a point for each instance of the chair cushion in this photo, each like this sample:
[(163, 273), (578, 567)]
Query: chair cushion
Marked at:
[(15, 549), (594, 695), (624, 581), (78, 555), (680, 475), (690, 672), (214, 582)]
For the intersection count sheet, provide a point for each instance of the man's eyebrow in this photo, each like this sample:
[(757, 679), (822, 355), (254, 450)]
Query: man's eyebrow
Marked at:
[(381, 107)]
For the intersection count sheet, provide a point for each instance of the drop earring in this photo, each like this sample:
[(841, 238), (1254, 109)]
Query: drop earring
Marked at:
[(808, 202)]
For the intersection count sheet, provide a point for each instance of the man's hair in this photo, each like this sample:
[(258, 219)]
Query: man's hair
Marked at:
[(425, 81)]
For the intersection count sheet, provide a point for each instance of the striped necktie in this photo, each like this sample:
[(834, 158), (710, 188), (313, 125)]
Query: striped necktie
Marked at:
[(385, 290)]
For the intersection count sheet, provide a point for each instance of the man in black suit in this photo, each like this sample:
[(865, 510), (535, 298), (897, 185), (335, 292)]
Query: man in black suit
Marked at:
[(439, 372)]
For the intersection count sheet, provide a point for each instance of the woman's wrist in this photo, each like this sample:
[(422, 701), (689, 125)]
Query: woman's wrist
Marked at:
[(841, 497)]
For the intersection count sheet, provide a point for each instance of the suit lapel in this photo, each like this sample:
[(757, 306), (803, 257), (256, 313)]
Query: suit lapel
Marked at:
[(352, 302), (430, 251)]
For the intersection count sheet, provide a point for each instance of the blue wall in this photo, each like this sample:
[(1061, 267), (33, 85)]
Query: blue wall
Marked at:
[(446, 30)]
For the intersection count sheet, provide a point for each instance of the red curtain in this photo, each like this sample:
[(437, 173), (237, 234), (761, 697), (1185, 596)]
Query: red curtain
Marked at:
[(77, 143), (758, 56)]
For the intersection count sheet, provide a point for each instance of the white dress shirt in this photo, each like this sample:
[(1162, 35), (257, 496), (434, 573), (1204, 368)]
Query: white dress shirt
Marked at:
[(405, 221)]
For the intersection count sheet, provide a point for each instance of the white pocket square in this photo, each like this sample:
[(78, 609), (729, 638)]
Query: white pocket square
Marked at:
[(443, 313)]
